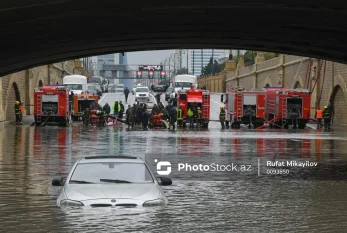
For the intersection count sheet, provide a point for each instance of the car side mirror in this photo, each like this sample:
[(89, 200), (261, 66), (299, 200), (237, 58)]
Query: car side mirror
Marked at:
[(164, 181), (58, 182)]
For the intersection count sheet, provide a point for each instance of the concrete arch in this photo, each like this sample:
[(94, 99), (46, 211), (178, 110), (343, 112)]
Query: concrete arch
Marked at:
[(338, 81), (299, 83), (267, 82), (338, 97), (13, 95), (12, 80)]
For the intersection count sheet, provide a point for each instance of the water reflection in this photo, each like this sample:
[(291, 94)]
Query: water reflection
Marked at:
[(31, 157)]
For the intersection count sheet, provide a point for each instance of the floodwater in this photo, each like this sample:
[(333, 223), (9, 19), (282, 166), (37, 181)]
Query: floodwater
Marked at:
[(309, 199)]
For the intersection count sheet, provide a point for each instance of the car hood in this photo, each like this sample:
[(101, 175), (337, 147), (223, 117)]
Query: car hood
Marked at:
[(83, 192)]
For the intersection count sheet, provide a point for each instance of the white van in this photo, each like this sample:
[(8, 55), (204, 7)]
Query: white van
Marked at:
[(76, 83), (184, 81)]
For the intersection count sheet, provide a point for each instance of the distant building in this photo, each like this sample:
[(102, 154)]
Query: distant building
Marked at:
[(108, 59)]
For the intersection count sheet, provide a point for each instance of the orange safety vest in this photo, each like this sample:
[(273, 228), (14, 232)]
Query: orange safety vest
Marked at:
[(319, 114)]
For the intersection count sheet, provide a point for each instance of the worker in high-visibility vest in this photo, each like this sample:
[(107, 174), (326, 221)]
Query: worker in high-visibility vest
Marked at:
[(17, 112), (179, 117), (222, 116), (190, 116), (326, 117), (319, 116)]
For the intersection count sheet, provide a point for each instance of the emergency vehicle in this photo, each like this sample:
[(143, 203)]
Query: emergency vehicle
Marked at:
[(245, 107), (51, 104), (285, 107), (194, 98), (81, 102)]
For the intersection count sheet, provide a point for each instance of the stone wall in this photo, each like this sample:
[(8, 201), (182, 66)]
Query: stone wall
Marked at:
[(20, 86), (325, 80)]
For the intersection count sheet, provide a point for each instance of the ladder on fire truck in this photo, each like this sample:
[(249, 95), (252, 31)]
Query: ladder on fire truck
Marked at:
[(38, 108), (239, 106), (284, 111), (205, 108)]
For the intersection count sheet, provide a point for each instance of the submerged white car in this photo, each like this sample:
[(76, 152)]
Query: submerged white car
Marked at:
[(111, 181), (142, 94)]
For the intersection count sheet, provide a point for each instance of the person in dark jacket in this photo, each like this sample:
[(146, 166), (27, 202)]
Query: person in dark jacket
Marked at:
[(173, 117), (106, 108), (145, 118), (126, 94), (326, 117), (121, 110)]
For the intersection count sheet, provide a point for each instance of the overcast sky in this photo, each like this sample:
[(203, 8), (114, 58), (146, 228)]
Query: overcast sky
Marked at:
[(148, 57)]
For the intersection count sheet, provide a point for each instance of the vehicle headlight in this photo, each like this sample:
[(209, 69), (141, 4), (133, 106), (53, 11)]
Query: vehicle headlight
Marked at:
[(157, 202), (70, 203)]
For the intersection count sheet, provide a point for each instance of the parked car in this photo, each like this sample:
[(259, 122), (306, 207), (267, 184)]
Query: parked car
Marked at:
[(102, 181), (168, 93)]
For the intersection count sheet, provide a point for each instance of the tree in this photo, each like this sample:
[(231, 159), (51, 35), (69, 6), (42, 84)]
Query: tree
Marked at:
[(211, 68), (182, 71)]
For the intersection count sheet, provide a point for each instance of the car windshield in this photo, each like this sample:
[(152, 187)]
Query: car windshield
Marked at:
[(159, 88), (183, 84), (142, 89), (74, 86), (91, 88), (111, 171)]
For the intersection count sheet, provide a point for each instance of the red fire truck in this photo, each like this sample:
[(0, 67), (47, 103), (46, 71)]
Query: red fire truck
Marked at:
[(81, 102), (51, 104), (245, 107), (285, 107), (193, 98)]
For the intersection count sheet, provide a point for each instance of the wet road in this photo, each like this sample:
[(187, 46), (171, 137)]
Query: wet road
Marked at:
[(311, 199)]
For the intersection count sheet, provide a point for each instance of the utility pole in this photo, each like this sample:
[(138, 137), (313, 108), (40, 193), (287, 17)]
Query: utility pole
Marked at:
[(193, 62), (212, 62), (201, 62), (187, 62), (169, 67)]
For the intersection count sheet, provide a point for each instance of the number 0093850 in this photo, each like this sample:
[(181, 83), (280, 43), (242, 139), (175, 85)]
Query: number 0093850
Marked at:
[(277, 171)]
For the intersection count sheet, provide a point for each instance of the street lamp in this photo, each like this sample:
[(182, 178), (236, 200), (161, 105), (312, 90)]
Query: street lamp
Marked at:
[(187, 59)]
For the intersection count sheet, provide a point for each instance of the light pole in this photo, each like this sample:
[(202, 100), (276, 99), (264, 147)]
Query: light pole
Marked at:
[(187, 60)]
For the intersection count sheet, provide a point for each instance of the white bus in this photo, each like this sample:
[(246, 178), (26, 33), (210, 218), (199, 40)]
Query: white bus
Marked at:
[(76, 83)]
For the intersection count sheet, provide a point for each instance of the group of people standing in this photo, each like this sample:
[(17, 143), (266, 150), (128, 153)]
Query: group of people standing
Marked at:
[(137, 115), (324, 116), (193, 115)]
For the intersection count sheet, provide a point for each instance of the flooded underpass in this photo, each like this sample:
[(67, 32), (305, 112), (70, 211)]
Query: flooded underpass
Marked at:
[(307, 199)]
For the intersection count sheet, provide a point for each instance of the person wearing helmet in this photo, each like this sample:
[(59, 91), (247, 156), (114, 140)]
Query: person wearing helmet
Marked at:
[(326, 117), (17, 112), (199, 117), (222, 116)]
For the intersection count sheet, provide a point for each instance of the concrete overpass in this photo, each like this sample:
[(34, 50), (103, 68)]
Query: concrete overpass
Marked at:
[(42, 32)]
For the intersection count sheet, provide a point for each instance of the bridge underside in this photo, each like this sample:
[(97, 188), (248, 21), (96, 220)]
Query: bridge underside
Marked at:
[(36, 32)]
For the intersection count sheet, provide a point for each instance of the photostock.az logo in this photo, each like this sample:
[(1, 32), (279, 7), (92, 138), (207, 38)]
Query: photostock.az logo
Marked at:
[(163, 163)]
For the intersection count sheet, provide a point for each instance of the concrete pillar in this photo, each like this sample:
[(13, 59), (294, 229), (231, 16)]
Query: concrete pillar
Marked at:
[(260, 57), (255, 77), (241, 62)]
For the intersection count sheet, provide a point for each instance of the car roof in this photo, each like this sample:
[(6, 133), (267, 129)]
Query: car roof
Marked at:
[(108, 159)]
